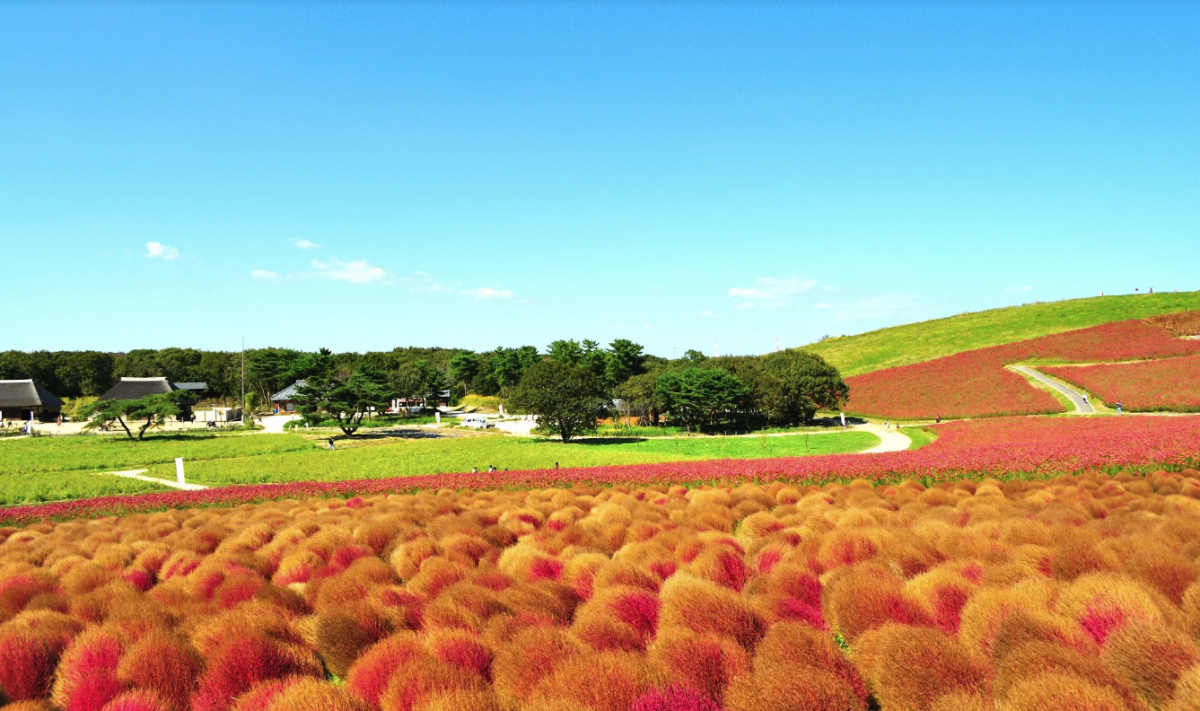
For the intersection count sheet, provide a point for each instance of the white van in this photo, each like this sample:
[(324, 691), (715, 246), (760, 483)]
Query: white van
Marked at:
[(478, 422)]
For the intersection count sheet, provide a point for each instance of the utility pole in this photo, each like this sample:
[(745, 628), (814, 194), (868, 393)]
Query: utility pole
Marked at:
[(777, 344)]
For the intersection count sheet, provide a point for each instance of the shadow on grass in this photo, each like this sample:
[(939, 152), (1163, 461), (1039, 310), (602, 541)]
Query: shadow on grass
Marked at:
[(606, 440)]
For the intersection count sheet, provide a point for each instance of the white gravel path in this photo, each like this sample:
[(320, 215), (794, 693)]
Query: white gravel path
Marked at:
[(137, 474)]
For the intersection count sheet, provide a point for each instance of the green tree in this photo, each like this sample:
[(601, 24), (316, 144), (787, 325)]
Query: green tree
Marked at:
[(625, 359), (464, 366), (153, 410), (594, 358), (699, 395), (637, 396), (694, 356), (569, 352), (801, 383), (564, 397), (346, 401)]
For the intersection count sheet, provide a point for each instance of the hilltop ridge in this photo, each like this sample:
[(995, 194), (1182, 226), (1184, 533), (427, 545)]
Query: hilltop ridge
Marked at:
[(926, 340)]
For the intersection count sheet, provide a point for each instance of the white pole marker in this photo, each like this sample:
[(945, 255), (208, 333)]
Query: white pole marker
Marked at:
[(179, 469)]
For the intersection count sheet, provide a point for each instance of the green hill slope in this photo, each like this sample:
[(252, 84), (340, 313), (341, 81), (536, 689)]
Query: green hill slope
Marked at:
[(917, 342)]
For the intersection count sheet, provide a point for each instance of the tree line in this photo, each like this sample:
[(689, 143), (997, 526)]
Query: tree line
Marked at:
[(695, 391)]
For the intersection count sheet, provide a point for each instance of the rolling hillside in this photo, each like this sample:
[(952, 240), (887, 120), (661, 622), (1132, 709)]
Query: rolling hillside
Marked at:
[(919, 342)]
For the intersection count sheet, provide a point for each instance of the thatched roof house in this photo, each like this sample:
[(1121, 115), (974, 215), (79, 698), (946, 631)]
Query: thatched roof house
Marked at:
[(137, 388), (20, 399)]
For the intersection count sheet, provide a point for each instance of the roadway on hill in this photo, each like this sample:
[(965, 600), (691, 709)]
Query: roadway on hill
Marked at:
[(1082, 406)]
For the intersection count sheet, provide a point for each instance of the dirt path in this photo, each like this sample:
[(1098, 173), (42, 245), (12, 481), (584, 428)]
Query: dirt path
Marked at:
[(1082, 407), (137, 474)]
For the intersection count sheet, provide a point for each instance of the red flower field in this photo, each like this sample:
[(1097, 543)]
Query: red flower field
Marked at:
[(994, 447), (976, 384), (1171, 384)]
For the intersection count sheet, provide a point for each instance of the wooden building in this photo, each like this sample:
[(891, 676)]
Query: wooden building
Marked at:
[(284, 401), (25, 399)]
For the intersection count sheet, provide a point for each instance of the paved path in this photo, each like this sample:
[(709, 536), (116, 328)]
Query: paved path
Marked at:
[(137, 474), (273, 424), (1082, 407), (890, 440)]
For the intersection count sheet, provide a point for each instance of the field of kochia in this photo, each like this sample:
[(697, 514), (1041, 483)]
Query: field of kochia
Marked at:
[(1078, 592), (927, 340), (976, 383)]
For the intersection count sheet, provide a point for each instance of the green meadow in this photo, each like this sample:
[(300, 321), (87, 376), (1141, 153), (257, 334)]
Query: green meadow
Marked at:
[(433, 456)]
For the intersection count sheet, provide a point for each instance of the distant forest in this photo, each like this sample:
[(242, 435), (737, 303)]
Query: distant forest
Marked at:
[(269, 370)]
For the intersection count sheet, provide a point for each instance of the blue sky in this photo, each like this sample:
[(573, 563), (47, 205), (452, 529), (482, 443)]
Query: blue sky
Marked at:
[(364, 176)]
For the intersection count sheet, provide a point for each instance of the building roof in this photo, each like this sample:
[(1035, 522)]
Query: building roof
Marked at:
[(288, 393), (194, 387), (26, 393), (137, 388)]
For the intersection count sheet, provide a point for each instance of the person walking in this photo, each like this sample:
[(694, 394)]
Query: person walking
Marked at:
[(843, 416), (1118, 407), (331, 447), (938, 419)]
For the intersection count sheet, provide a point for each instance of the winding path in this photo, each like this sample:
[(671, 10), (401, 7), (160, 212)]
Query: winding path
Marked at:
[(1082, 406), (137, 474), (890, 440)]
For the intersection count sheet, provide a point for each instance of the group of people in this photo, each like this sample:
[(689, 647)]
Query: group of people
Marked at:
[(27, 425), (475, 470)]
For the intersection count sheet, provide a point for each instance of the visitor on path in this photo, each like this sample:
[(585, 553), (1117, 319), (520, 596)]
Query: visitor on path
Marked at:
[(1118, 407), (491, 468), (887, 424), (843, 420), (29, 427), (1085, 400), (331, 447), (474, 470), (60, 420), (556, 465), (938, 419)]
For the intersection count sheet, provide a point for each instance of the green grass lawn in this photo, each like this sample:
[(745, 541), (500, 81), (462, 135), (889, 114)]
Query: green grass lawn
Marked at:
[(919, 435), (412, 457), (57, 454), (917, 342)]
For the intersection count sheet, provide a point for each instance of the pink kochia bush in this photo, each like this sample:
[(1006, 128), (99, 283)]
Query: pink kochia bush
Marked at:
[(997, 447), (1079, 591)]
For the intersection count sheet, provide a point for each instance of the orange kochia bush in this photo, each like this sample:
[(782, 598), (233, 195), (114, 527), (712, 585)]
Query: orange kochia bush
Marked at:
[(1079, 592)]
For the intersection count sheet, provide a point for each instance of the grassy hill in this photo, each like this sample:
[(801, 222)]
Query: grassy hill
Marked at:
[(918, 342)]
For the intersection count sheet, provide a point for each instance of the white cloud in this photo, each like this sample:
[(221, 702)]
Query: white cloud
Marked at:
[(1018, 289), (304, 244), (356, 272), (158, 250), (264, 275), (487, 293), (423, 283), (771, 292)]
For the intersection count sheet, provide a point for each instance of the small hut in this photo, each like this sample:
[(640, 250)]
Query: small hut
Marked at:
[(25, 399), (285, 400)]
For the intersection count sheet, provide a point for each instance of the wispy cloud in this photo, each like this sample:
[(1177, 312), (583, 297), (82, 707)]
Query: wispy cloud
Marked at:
[(486, 293), (875, 307), (264, 275), (423, 283), (1018, 289), (304, 244), (356, 272), (158, 250), (771, 292)]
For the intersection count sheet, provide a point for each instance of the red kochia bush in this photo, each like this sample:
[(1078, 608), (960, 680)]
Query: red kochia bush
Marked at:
[(674, 698), (26, 666), (163, 663), (240, 665)]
